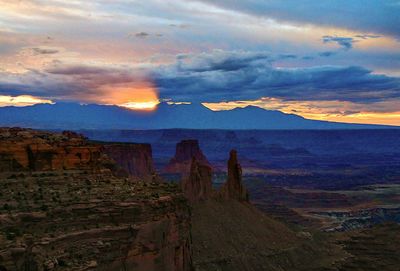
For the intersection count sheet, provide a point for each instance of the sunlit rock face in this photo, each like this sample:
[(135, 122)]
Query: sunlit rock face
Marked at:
[(135, 159), (233, 188), (24, 149), (197, 185), (185, 151)]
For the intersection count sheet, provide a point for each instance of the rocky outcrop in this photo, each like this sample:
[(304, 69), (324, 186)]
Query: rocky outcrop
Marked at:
[(82, 219), (197, 185), (24, 149), (233, 187), (79, 221), (185, 151), (135, 159)]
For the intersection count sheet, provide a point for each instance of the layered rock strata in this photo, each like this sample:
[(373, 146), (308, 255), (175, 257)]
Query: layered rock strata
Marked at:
[(24, 149), (83, 217)]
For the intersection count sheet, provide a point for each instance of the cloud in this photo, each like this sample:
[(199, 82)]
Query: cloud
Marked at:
[(373, 16), (327, 53), (179, 25), (44, 51), (225, 76), (142, 35), (345, 42), (80, 70), (220, 60), (76, 82), (287, 56), (207, 77), (367, 36)]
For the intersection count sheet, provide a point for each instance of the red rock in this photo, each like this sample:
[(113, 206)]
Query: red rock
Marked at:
[(86, 219), (185, 151), (233, 187), (25, 149), (197, 185), (71, 134), (135, 159)]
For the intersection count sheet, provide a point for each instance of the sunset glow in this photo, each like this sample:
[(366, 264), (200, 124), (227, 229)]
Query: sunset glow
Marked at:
[(321, 61), (23, 100), (322, 110), (141, 105), (140, 95)]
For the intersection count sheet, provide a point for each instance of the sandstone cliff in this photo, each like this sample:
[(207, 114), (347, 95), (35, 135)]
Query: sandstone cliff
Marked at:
[(83, 217), (185, 151), (24, 149), (135, 159), (198, 184)]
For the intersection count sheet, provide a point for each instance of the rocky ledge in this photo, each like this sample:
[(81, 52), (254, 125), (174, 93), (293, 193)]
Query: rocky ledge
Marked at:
[(74, 214), (30, 150)]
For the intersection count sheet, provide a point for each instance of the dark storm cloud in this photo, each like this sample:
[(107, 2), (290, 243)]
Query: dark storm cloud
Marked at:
[(244, 76), (14, 89), (345, 42), (67, 81), (372, 16), (221, 60), (213, 77)]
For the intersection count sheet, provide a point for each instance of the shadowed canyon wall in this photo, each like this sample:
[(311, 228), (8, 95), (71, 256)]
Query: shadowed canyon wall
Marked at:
[(135, 159), (185, 151)]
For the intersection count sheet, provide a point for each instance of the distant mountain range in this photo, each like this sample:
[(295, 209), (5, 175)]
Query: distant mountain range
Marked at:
[(186, 116)]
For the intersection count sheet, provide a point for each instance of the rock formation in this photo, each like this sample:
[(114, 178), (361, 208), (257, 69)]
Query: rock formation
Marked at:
[(197, 185), (185, 151), (135, 159), (233, 187), (24, 149), (82, 217)]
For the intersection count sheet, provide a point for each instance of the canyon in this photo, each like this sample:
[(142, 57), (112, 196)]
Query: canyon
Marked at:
[(63, 208), (72, 203)]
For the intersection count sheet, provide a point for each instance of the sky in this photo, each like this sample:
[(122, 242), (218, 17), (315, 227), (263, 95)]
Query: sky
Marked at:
[(336, 60)]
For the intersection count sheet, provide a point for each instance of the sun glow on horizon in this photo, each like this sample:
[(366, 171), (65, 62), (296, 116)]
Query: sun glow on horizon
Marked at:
[(141, 95), (22, 100), (145, 106), (322, 110)]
